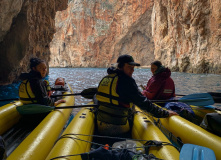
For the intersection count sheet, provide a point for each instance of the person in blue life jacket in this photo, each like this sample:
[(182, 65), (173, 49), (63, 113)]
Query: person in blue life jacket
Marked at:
[(117, 92), (33, 89)]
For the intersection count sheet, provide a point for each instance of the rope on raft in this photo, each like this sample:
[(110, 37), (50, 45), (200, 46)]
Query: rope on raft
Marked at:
[(170, 134), (148, 144)]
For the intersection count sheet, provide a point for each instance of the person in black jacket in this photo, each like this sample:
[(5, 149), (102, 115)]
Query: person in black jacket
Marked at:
[(33, 89), (117, 92)]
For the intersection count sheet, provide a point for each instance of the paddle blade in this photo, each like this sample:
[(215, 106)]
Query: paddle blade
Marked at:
[(216, 96), (198, 99), (89, 93), (195, 152), (34, 109)]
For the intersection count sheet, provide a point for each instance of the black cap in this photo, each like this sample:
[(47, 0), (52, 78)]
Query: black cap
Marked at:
[(127, 59)]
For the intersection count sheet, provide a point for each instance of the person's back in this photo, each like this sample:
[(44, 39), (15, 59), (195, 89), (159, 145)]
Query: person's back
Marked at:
[(109, 121), (169, 89)]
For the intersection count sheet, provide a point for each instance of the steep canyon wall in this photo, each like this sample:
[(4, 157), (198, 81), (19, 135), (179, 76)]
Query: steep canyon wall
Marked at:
[(183, 34), (94, 33), (187, 34)]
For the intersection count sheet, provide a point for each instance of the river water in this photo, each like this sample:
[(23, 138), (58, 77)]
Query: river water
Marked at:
[(82, 78)]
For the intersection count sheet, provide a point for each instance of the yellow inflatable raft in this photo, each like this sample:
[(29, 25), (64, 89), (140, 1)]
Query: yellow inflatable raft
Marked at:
[(9, 116), (191, 133), (40, 141), (73, 142)]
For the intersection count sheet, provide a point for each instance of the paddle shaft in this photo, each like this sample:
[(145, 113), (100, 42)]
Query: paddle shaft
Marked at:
[(216, 95), (60, 95), (52, 96), (198, 101), (165, 101), (87, 93), (36, 108), (95, 105), (78, 106)]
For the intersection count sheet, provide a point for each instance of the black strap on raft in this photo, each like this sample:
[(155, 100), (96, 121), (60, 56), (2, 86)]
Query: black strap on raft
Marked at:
[(152, 143), (147, 145), (176, 140), (2, 149), (151, 157)]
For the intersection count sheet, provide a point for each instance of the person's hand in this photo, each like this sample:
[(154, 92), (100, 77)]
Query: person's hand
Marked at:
[(172, 113), (59, 101), (62, 101), (143, 87)]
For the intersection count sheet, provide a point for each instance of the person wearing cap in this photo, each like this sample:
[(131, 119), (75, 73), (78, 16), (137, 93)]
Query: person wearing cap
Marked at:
[(33, 89), (160, 86), (117, 92)]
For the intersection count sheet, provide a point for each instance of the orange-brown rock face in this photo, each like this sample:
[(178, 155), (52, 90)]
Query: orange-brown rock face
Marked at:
[(95, 33), (187, 34), (184, 35), (27, 28)]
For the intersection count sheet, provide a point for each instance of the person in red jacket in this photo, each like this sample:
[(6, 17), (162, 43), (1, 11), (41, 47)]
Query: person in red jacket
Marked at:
[(160, 86)]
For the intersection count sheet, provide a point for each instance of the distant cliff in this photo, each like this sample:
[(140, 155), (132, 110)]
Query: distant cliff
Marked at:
[(26, 29), (184, 34), (95, 33)]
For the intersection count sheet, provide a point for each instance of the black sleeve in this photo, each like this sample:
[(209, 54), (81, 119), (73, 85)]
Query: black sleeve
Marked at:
[(39, 89), (129, 92)]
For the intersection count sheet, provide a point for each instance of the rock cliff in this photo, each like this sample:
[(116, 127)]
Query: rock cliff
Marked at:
[(95, 33), (187, 34), (183, 34), (26, 29)]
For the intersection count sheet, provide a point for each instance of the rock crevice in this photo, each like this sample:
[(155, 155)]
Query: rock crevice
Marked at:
[(27, 28)]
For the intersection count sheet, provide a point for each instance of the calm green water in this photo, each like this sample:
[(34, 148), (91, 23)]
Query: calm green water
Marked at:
[(82, 78)]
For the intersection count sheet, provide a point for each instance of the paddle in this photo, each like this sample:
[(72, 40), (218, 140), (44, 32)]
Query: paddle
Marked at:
[(205, 107), (198, 99), (215, 95), (195, 152), (195, 99), (86, 93), (37, 108)]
